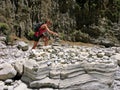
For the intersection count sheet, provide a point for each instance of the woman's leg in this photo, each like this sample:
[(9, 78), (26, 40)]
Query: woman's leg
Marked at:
[(35, 44), (45, 39)]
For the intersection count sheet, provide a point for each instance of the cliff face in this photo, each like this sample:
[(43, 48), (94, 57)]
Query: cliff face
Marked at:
[(76, 20)]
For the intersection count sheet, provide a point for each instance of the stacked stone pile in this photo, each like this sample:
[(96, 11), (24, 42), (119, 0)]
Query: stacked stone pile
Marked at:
[(59, 67)]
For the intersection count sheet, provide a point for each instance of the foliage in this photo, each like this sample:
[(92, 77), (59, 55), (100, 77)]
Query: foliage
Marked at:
[(117, 2), (91, 10), (25, 9), (77, 35), (4, 28), (30, 34), (2, 18), (8, 39), (63, 6), (62, 35)]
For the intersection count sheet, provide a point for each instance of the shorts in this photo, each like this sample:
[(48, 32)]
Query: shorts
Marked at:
[(35, 38)]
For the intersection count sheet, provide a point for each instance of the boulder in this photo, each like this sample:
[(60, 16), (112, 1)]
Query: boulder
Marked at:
[(116, 57), (21, 86), (1, 85), (2, 45), (2, 38), (18, 65), (7, 71), (8, 81), (33, 71), (22, 45)]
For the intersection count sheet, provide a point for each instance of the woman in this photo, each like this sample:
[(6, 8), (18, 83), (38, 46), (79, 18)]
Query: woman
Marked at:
[(42, 33)]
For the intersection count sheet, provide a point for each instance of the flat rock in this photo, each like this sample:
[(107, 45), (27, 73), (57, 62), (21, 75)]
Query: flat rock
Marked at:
[(7, 71)]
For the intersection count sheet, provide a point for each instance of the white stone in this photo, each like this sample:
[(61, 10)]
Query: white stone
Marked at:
[(22, 45), (1, 85), (18, 65), (10, 88), (2, 38), (100, 55), (63, 61), (116, 57), (2, 46), (7, 71), (8, 81), (22, 86), (61, 53)]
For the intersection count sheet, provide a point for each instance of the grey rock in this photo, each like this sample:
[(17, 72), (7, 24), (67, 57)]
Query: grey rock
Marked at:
[(118, 50), (94, 86), (5, 88), (8, 81), (54, 74), (10, 88), (22, 86), (63, 61), (65, 68), (45, 83), (7, 71), (2, 46), (23, 46), (1, 85), (116, 57), (100, 55), (32, 71), (49, 63), (2, 38), (103, 72), (67, 83), (18, 65)]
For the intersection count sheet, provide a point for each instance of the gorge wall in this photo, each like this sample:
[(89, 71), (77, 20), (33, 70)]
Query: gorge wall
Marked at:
[(75, 20)]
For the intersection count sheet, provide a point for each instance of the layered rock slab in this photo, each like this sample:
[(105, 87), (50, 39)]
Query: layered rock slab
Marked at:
[(70, 69)]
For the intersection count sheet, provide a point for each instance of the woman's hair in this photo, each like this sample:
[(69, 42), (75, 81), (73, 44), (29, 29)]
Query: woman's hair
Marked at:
[(48, 21)]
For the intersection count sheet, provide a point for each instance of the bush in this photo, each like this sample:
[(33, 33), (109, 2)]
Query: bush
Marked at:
[(78, 36), (8, 40), (62, 35), (4, 28), (30, 35)]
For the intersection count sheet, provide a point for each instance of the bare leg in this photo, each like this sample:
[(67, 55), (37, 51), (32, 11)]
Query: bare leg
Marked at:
[(35, 44), (45, 39)]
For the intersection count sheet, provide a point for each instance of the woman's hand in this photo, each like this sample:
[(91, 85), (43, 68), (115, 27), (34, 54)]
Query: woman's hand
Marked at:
[(56, 34)]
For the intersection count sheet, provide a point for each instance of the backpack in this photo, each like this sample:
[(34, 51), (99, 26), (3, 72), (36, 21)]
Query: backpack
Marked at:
[(37, 26)]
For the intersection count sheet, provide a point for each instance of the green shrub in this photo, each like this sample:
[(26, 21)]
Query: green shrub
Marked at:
[(4, 28), (8, 40), (78, 36), (62, 35), (30, 34)]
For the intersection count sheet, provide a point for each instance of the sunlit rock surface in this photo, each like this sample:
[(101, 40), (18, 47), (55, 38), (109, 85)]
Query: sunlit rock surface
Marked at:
[(62, 67)]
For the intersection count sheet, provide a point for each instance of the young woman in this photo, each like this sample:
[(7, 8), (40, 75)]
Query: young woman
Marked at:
[(42, 33)]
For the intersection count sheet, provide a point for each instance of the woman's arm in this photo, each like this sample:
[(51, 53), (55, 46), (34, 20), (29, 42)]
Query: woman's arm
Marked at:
[(46, 27)]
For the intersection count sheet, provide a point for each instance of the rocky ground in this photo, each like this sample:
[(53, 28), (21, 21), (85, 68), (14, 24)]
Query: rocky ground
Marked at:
[(58, 67)]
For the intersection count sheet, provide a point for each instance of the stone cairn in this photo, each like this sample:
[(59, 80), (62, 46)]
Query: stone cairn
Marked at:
[(59, 67)]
